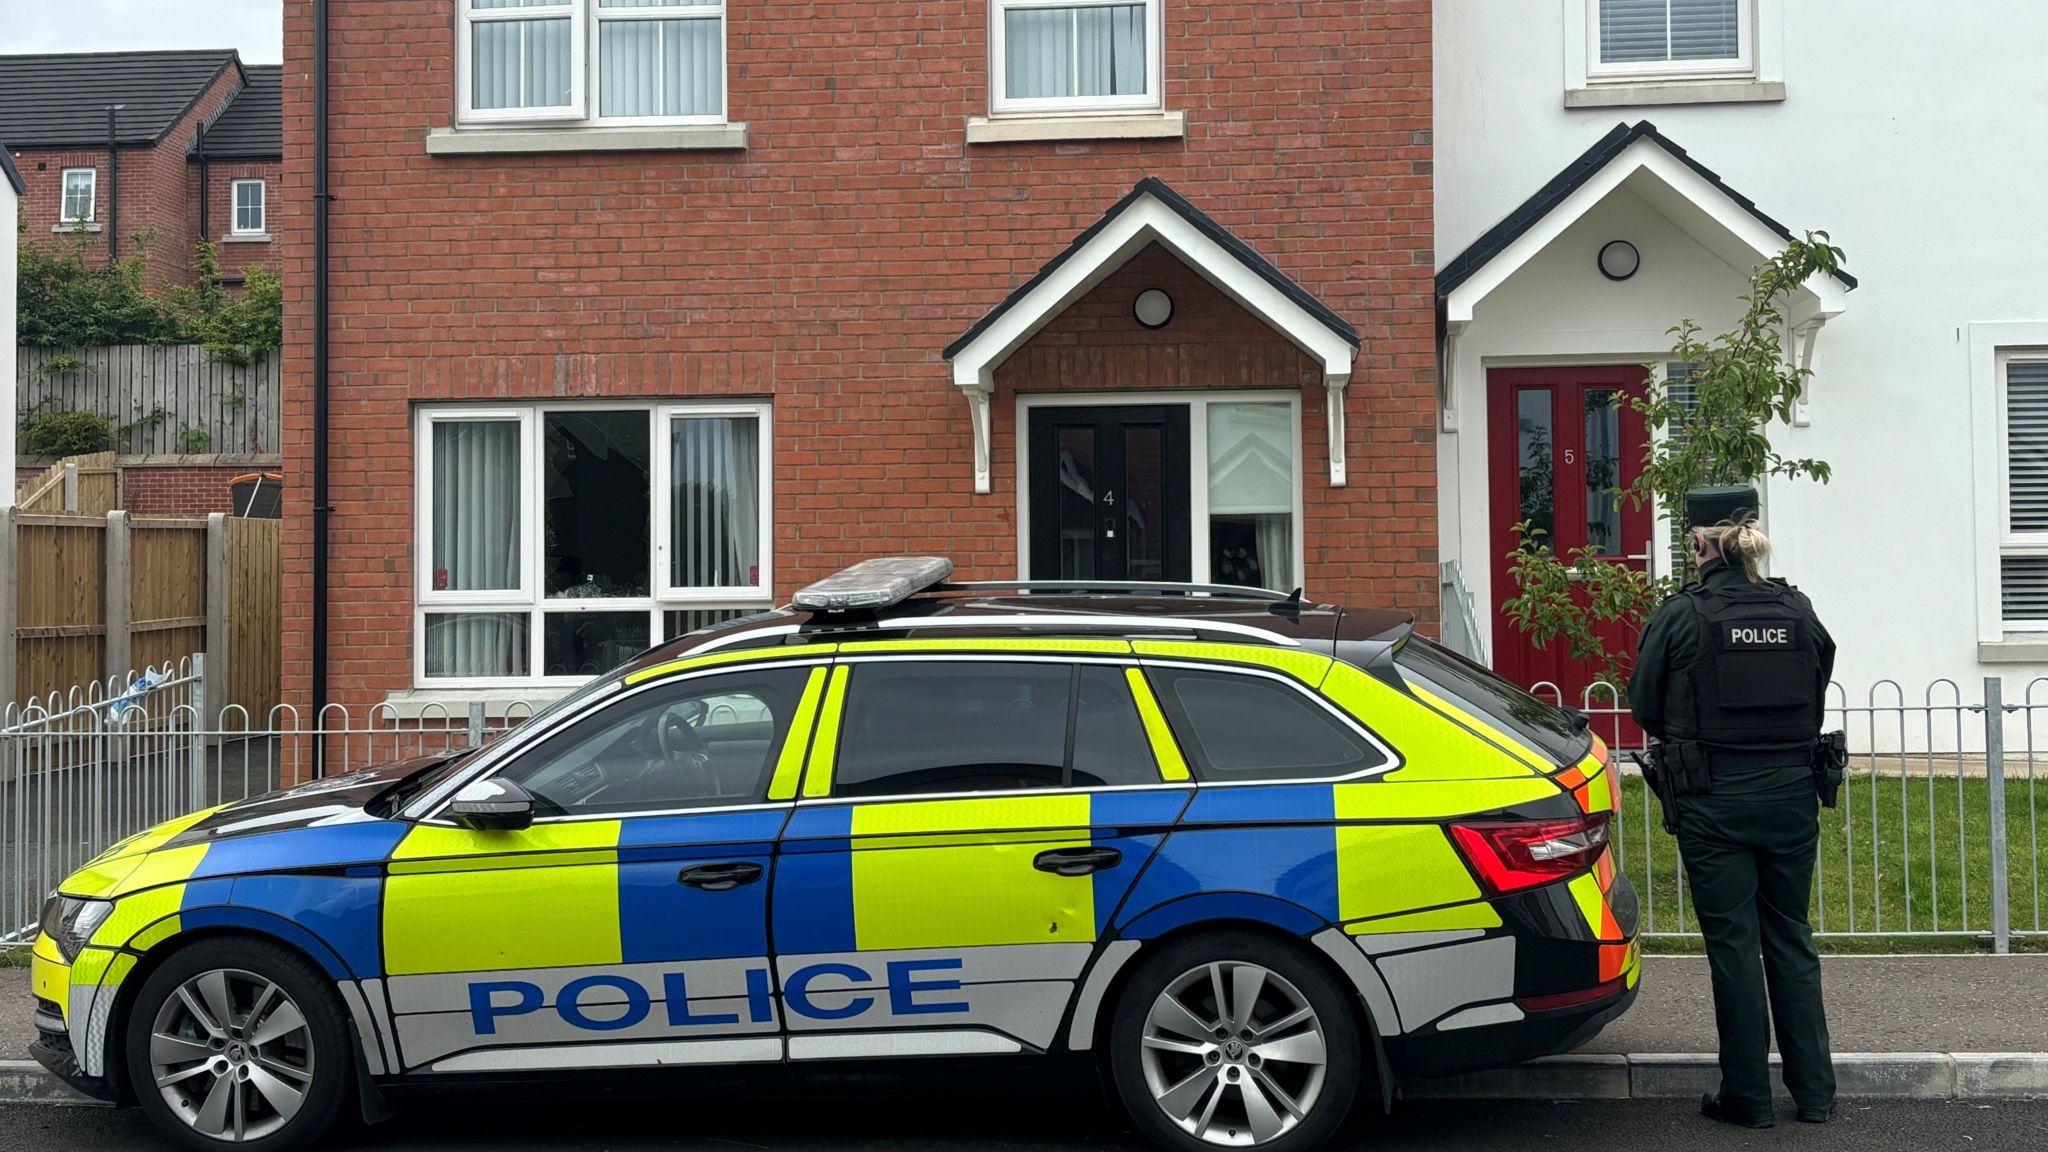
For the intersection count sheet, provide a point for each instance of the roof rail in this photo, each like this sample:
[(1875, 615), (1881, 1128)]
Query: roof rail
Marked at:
[(1158, 587)]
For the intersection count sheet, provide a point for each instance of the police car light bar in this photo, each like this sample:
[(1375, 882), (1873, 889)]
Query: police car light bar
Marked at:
[(876, 583)]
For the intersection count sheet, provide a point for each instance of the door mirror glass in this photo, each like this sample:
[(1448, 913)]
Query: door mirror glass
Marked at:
[(494, 805)]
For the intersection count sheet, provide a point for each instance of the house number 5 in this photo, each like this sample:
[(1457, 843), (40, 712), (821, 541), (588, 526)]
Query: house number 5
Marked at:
[(1571, 456)]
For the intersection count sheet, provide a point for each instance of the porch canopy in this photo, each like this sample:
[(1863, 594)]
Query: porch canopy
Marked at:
[(1640, 161), (1153, 213)]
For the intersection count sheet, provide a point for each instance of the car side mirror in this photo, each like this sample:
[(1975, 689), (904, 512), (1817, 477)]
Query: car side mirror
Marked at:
[(492, 806)]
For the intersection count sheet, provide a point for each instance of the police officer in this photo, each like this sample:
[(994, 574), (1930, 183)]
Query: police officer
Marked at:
[(1731, 680)]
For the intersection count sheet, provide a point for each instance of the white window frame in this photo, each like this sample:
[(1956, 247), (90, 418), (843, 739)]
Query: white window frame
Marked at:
[(1152, 99), (235, 209), (1743, 66), (586, 17), (92, 196), (1197, 404), (528, 598)]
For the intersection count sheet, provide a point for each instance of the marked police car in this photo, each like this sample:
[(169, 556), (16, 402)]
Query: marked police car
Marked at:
[(1254, 854)]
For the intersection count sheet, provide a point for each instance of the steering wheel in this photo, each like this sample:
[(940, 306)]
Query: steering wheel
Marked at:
[(684, 755)]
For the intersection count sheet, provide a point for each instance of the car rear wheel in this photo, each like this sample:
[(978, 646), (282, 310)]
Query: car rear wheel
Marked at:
[(1235, 1040), (239, 1043)]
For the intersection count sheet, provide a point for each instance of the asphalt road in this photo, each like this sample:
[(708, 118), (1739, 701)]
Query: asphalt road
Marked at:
[(914, 1125)]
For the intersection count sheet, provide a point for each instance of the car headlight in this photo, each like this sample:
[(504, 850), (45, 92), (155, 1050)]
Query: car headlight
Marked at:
[(70, 921)]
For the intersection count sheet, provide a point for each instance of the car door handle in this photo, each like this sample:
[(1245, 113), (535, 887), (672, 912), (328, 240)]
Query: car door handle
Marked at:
[(720, 877), (1076, 861)]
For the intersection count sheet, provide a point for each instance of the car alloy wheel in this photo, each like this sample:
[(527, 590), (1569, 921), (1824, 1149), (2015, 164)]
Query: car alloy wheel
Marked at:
[(1234, 1054), (232, 1054)]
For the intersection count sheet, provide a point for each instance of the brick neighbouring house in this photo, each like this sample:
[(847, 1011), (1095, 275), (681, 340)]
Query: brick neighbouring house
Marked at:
[(200, 156), (188, 128), (650, 350)]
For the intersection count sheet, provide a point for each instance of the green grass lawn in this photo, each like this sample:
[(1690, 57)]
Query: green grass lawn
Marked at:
[(1896, 857)]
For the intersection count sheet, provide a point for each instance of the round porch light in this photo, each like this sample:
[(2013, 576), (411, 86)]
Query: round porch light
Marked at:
[(1619, 260), (1153, 308)]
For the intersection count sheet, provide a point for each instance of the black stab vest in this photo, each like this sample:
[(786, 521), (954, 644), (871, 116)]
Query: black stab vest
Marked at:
[(1754, 678)]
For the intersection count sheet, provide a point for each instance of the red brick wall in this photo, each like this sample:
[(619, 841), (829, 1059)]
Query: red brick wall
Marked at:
[(42, 169), (171, 490), (828, 265), (237, 256)]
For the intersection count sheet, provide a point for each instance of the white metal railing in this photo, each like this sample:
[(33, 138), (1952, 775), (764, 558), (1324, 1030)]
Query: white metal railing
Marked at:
[(1937, 831), (1462, 633)]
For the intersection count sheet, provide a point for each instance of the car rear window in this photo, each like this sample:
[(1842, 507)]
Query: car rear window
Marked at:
[(1545, 728)]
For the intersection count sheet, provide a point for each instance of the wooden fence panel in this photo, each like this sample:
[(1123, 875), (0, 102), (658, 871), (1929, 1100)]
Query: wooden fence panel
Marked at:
[(160, 399), (168, 590), (99, 487), (255, 628), (60, 605)]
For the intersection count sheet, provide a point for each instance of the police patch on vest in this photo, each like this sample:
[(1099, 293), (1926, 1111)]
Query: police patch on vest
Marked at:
[(1758, 636)]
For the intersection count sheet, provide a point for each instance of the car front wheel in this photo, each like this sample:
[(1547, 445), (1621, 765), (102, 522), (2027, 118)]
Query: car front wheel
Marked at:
[(241, 1043), (1235, 1040)]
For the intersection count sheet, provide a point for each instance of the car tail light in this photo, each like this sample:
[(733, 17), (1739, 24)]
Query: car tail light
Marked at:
[(1510, 857)]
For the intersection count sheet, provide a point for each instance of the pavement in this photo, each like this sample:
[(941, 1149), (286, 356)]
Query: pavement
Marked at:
[(1918, 1027), (930, 1124)]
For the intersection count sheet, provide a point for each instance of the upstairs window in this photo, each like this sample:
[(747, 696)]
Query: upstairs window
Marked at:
[(1051, 56), (248, 208), (592, 61), (79, 186), (1633, 39)]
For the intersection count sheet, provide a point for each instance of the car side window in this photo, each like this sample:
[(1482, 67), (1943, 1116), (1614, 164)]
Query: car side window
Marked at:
[(697, 743), (1243, 727), (930, 727)]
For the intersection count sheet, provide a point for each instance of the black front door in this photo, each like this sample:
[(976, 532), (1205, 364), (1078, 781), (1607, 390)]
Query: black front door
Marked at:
[(1109, 493)]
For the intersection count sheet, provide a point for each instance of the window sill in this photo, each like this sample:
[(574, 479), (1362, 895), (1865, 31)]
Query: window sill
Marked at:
[(1639, 93), (248, 238), (414, 704), (2017, 648), (1027, 129), (76, 228), (514, 141)]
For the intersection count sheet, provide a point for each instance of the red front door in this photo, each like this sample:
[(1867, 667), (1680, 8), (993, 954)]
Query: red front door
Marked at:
[(1562, 440)]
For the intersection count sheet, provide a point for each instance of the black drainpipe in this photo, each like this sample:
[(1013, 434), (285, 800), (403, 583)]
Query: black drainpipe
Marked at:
[(201, 149), (113, 187), (320, 505)]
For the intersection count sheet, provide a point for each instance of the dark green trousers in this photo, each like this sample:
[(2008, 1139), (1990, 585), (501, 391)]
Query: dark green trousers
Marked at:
[(1749, 862)]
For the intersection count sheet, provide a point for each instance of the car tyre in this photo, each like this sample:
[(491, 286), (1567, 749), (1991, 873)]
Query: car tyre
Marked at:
[(239, 1044), (1234, 1039)]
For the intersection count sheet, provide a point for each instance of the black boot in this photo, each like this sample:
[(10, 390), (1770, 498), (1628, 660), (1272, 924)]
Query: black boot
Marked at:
[(1817, 1115), (1712, 1107)]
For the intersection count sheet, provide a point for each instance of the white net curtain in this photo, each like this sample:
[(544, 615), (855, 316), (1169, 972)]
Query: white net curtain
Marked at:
[(715, 539), (1251, 495), (655, 58), (476, 515), (1074, 52)]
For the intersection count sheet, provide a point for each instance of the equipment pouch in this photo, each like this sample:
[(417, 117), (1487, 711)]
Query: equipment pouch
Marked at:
[(1686, 761), (1657, 777), (1830, 763)]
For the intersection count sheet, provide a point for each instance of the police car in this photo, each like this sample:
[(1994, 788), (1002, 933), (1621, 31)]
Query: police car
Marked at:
[(1253, 854)]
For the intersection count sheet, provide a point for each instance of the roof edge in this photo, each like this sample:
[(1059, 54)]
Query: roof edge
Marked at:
[(12, 173)]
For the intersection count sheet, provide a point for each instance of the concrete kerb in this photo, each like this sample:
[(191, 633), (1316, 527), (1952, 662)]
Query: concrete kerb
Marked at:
[(1643, 1076)]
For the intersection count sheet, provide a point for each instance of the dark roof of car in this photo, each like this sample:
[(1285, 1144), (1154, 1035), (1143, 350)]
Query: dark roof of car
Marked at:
[(1008, 611), (1226, 239), (61, 100), (12, 173), (252, 125), (1483, 250)]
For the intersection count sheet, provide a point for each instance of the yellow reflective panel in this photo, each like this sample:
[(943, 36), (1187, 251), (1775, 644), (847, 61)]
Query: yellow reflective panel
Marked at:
[(1485, 728), (155, 934), (1586, 894), (1382, 869), (1051, 647), (715, 659), (1431, 746), (1307, 667), (118, 970), (789, 766), (134, 913), (1478, 914), (100, 877), (825, 745), (90, 966), (1390, 798), (982, 892), (1599, 792), (152, 838), (163, 866), (559, 907), (51, 980), (1165, 749)]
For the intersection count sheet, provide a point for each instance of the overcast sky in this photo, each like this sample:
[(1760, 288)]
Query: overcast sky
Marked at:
[(254, 26)]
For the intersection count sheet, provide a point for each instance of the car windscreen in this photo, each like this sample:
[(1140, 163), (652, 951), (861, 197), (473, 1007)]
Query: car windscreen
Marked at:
[(1544, 728)]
